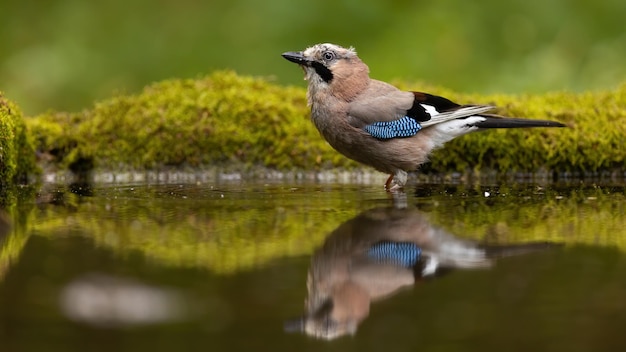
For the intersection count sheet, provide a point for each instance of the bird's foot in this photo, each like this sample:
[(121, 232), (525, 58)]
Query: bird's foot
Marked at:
[(396, 182)]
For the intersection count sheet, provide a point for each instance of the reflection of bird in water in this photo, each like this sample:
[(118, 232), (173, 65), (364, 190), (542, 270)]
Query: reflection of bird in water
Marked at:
[(374, 255)]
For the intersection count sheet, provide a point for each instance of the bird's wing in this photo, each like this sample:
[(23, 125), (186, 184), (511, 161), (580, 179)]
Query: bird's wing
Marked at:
[(380, 102), (441, 109), (386, 112)]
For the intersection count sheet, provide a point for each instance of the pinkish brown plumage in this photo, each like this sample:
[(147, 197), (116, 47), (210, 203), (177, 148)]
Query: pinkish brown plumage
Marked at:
[(377, 254), (377, 124)]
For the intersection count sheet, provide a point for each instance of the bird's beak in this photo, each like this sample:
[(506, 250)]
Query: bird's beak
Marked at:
[(295, 325), (296, 57)]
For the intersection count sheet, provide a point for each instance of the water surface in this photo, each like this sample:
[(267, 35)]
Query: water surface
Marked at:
[(225, 266)]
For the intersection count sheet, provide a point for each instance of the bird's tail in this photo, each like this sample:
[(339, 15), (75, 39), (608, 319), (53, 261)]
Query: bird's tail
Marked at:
[(496, 121), (500, 251)]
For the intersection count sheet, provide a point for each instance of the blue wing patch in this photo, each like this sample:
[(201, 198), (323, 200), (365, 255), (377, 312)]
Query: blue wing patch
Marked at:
[(404, 127), (402, 253)]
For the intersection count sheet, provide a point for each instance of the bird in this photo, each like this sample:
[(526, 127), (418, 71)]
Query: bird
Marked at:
[(379, 253), (377, 124)]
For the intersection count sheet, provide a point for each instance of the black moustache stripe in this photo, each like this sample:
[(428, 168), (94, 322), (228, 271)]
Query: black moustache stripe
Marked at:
[(322, 71)]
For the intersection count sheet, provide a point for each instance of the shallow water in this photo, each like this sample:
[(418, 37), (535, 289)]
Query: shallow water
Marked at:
[(224, 267)]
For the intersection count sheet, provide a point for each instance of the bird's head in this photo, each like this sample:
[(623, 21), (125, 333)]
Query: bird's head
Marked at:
[(331, 65), (333, 314)]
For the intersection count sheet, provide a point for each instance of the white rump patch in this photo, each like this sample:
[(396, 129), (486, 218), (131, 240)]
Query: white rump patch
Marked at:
[(451, 129), (460, 126)]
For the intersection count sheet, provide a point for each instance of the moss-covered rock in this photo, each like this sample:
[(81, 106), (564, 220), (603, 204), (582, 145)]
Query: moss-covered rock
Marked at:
[(222, 119), (17, 153), (594, 141), (230, 120)]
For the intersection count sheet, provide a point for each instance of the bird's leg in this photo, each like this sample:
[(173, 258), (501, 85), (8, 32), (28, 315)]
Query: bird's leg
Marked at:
[(388, 183), (396, 181)]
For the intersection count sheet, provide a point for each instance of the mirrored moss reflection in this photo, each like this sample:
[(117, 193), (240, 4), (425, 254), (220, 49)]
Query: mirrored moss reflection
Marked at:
[(230, 228)]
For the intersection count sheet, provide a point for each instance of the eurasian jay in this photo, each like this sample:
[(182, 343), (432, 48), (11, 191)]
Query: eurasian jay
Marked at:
[(377, 254), (379, 125)]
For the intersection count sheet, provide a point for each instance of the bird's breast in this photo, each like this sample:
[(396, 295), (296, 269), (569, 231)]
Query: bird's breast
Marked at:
[(329, 114)]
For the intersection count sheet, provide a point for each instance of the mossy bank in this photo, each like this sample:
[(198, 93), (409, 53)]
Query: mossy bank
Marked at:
[(17, 153), (232, 121)]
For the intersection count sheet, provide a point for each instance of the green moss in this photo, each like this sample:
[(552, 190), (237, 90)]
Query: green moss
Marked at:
[(222, 119), (17, 153), (242, 122), (594, 140)]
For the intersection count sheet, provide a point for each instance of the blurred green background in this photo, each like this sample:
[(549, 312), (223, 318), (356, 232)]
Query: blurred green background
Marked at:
[(63, 54)]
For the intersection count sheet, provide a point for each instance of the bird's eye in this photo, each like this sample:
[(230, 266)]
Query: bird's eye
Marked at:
[(328, 55)]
